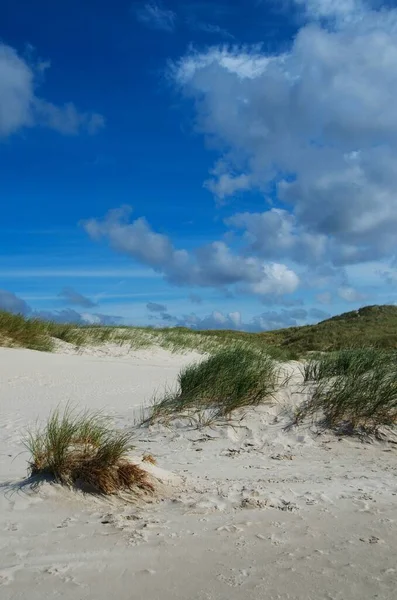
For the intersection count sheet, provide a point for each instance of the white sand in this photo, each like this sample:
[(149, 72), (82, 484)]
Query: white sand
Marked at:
[(262, 513)]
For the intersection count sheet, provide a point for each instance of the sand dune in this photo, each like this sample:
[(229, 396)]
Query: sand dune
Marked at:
[(251, 510)]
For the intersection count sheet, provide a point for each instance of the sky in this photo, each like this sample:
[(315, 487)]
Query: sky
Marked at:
[(205, 163)]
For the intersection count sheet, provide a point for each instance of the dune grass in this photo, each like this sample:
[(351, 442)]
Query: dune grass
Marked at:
[(19, 331), (16, 330), (370, 326), (231, 379), (81, 448), (344, 362), (353, 389)]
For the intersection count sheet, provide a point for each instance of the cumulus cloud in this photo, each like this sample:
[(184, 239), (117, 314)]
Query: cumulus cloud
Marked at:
[(317, 123), (20, 106), (213, 265), (332, 9), (155, 16), (71, 296), (266, 321), (216, 320), (275, 234), (154, 307)]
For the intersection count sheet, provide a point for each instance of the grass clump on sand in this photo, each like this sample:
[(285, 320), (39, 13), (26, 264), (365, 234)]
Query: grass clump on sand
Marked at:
[(16, 330), (82, 449), (231, 379), (353, 389)]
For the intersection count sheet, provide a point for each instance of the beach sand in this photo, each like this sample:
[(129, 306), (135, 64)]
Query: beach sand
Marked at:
[(250, 510)]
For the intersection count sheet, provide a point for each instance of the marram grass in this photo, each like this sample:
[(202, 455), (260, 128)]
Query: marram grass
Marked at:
[(353, 389), (232, 379), (81, 448)]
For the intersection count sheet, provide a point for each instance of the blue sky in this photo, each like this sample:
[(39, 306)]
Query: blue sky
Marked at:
[(210, 164)]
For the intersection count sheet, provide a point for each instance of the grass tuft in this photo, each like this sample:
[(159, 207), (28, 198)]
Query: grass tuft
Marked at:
[(213, 389), (16, 330), (81, 448), (353, 389)]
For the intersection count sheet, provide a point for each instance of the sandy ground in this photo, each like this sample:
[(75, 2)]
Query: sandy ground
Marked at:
[(259, 512)]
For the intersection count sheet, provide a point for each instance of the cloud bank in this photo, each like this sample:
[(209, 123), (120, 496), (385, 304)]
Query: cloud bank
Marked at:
[(12, 303), (214, 265)]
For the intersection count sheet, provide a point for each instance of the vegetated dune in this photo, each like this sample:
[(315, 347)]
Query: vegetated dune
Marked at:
[(250, 506), (366, 327)]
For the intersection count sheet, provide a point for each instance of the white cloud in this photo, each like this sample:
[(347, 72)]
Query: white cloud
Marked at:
[(318, 123), (21, 107), (155, 16), (213, 265), (66, 119), (275, 234), (276, 279), (266, 321), (337, 9), (226, 184)]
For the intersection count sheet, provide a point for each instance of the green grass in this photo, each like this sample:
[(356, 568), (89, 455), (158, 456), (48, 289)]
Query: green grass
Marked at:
[(15, 330), (232, 379), (349, 361), (352, 389), (18, 331), (372, 326), (82, 448)]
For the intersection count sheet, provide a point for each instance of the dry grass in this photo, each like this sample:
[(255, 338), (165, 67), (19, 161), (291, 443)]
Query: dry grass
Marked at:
[(82, 449), (149, 458)]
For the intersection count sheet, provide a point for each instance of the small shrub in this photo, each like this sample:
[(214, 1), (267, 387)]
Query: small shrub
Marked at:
[(231, 379), (353, 389), (82, 448)]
